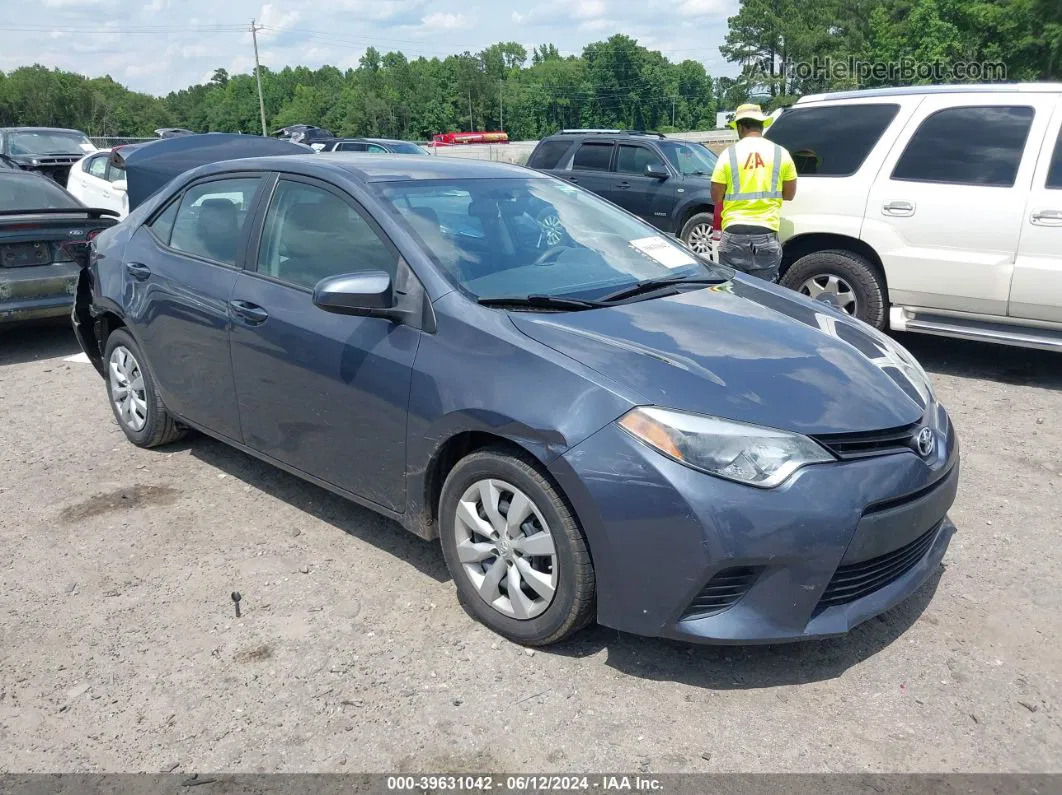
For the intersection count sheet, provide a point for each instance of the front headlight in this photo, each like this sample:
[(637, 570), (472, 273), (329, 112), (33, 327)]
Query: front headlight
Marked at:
[(762, 457)]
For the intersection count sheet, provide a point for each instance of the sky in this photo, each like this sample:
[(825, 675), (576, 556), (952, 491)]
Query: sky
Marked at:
[(158, 46)]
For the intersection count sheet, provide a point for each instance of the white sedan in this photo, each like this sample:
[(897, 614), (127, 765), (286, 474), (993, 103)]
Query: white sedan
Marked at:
[(98, 183)]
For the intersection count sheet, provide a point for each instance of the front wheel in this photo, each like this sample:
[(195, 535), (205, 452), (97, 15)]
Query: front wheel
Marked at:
[(697, 233), (518, 558)]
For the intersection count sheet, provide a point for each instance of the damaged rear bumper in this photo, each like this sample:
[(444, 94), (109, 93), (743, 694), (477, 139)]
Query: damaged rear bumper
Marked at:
[(37, 292), (84, 323)]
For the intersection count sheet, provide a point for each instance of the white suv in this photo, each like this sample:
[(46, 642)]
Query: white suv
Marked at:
[(935, 209)]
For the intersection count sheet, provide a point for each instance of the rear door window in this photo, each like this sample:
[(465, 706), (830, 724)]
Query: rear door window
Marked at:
[(162, 226), (593, 156), (967, 146), (210, 220), (832, 141), (97, 166), (548, 154)]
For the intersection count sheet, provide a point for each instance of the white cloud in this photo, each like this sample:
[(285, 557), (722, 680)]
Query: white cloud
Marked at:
[(442, 20), (703, 8), (517, 17), (77, 3), (156, 5), (276, 21), (597, 24), (588, 9)]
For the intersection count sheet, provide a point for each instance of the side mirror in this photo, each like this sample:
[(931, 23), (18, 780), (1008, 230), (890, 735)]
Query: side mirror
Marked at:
[(120, 185), (656, 171), (366, 294)]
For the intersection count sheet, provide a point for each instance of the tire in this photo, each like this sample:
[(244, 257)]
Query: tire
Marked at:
[(697, 232), (529, 619), (852, 278), (145, 422)]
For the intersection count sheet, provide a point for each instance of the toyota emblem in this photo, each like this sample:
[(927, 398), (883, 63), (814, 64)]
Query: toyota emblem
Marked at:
[(926, 442)]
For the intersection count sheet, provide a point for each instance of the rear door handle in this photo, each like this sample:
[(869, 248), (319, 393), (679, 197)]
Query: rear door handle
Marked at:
[(138, 270), (572, 179), (623, 185), (252, 314), (898, 208), (1046, 217)]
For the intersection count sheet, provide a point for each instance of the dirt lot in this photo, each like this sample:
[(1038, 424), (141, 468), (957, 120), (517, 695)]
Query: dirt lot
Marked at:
[(119, 650)]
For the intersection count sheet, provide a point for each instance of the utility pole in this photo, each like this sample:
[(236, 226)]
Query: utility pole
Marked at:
[(471, 126), (501, 107), (258, 75), (673, 111)]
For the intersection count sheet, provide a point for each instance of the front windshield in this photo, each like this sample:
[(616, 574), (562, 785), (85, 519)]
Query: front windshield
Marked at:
[(689, 159), (49, 142), (405, 148), (501, 238)]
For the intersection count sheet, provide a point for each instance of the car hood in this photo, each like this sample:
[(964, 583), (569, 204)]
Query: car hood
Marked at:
[(746, 352)]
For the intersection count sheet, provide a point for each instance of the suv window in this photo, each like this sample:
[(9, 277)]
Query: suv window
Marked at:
[(97, 166), (967, 146), (1054, 173), (832, 141), (210, 219), (311, 233), (593, 156), (633, 159), (548, 154)]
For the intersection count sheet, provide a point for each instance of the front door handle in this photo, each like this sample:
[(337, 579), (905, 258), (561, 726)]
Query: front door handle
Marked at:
[(252, 314), (1046, 217), (623, 185), (572, 179), (898, 208), (138, 270)]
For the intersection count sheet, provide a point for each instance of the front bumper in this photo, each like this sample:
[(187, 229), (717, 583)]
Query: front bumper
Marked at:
[(41, 291), (834, 546)]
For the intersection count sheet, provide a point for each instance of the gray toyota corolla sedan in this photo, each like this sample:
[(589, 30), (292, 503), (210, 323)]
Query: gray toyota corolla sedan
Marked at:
[(596, 424)]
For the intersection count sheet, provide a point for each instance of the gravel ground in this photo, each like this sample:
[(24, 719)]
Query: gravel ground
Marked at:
[(120, 652)]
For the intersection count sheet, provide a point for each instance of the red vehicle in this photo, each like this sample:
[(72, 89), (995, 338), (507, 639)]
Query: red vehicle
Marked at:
[(455, 138)]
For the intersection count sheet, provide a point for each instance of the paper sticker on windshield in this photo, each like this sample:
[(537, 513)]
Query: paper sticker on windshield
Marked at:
[(663, 252), (86, 148)]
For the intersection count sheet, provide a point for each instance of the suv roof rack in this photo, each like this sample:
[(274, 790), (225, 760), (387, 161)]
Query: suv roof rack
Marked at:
[(611, 132)]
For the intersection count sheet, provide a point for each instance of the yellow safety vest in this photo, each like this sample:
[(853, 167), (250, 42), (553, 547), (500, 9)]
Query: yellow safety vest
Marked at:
[(753, 178)]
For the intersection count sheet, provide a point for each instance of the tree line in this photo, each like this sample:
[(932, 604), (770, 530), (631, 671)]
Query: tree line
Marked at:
[(784, 48), (613, 83)]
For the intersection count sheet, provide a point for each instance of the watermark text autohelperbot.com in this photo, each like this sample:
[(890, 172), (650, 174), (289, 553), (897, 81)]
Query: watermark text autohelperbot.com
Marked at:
[(903, 70)]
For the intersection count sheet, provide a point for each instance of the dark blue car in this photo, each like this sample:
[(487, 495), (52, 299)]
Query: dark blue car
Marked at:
[(596, 424)]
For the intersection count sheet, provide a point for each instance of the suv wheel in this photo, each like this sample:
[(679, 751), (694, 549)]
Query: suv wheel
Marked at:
[(842, 278), (516, 553), (697, 233), (134, 398)]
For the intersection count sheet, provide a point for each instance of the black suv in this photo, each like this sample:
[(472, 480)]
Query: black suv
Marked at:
[(47, 150), (665, 181)]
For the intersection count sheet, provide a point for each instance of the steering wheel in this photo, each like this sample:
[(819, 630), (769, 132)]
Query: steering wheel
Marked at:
[(548, 256)]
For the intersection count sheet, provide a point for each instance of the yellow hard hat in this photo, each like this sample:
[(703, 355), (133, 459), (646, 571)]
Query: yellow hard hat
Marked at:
[(752, 112)]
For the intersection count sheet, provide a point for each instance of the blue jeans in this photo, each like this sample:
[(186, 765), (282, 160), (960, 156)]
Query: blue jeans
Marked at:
[(757, 255)]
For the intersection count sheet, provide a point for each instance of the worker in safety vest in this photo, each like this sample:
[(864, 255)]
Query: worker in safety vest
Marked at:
[(751, 180)]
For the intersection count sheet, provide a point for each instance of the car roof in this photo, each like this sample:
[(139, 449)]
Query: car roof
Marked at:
[(378, 168), (41, 129), (959, 88)]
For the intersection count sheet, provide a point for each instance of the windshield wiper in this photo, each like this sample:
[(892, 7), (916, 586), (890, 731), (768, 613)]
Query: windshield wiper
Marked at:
[(648, 285), (542, 302)]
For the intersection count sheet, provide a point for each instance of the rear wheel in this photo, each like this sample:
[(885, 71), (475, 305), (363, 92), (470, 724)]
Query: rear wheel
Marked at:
[(133, 395), (516, 553), (697, 233), (842, 278)]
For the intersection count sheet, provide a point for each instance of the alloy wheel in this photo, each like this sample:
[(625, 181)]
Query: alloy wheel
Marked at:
[(700, 239), (831, 289), (127, 388), (506, 549)]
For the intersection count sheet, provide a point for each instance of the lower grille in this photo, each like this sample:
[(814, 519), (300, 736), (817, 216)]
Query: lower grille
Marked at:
[(722, 591), (857, 580)]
